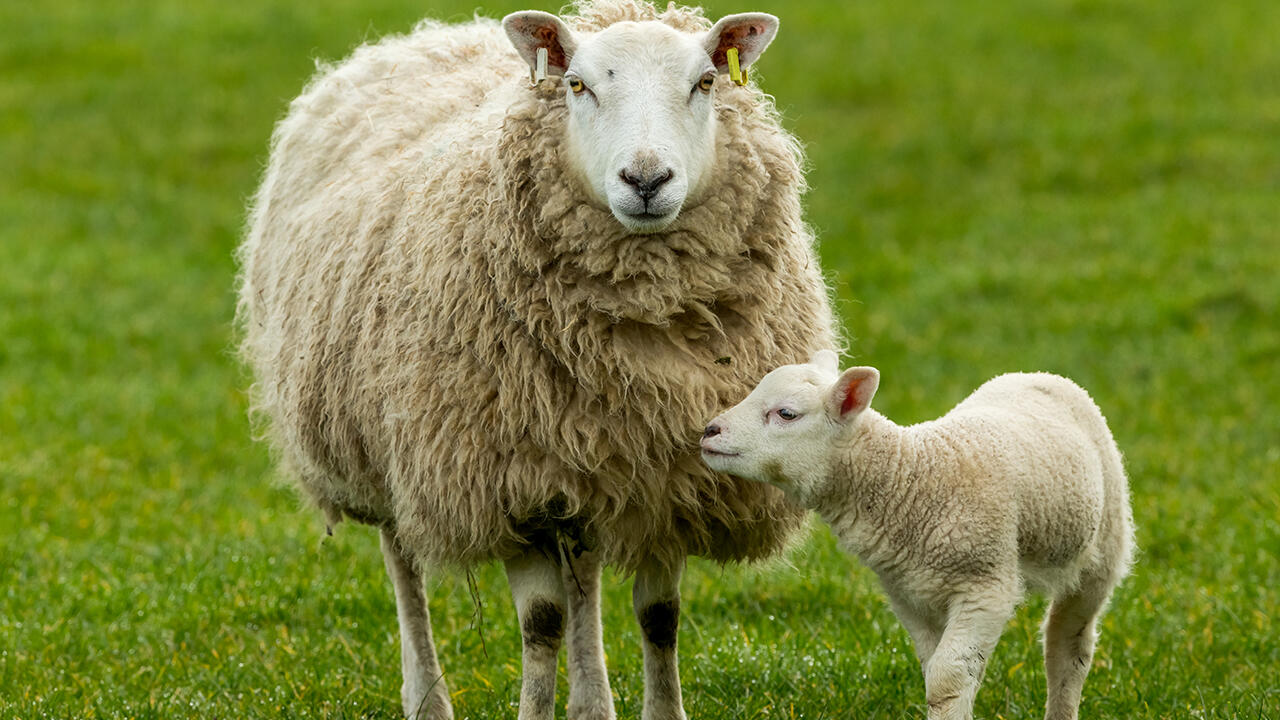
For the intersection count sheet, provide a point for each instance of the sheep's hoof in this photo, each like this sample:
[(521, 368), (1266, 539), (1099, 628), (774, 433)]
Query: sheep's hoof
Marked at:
[(591, 711), (426, 706)]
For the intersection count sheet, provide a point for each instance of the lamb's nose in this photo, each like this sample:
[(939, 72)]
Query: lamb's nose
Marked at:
[(646, 184), (711, 431)]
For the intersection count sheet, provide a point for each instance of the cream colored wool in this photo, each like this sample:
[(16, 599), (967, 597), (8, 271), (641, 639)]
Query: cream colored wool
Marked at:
[(449, 339)]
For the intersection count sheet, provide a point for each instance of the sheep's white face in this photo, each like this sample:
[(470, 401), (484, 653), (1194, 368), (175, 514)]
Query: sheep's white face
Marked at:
[(642, 120), (783, 432)]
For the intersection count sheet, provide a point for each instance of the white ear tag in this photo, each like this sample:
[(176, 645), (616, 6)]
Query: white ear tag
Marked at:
[(540, 72)]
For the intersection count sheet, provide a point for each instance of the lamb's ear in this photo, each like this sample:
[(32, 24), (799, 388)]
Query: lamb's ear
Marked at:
[(751, 33), (531, 29), (827, 361), (852, 393)]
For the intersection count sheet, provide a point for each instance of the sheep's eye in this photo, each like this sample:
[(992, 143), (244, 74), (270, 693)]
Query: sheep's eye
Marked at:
[(576, 85), (787, 414), (706, 82)]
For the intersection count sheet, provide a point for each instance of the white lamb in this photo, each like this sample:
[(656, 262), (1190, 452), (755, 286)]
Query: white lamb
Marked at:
[(1020, 485)]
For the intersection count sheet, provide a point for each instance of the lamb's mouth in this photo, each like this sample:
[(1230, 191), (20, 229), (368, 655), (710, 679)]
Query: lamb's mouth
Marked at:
[(718, 453)]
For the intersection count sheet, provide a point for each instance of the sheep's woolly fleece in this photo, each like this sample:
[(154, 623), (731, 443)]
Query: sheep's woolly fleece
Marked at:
[(449, 339)]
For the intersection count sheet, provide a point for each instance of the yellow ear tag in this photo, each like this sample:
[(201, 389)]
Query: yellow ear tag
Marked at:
[(736, 73)]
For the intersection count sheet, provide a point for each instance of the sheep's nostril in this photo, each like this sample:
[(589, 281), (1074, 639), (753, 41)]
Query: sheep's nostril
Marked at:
[(711, 431), (659, 181), (646, 186)]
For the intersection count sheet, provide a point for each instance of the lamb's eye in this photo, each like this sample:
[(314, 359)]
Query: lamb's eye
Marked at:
[(576, 84), (706, 82), (787, 414)]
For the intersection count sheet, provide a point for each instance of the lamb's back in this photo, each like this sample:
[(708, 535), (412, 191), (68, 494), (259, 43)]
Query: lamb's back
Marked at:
[(1039, 443)]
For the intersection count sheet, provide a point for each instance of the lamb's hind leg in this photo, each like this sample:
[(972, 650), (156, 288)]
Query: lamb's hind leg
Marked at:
[(589, 695), (1069, 635), (424, 694), (538, 591), (656, 596)]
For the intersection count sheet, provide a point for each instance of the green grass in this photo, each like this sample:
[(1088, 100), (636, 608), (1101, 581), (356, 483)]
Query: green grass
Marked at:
[(1080, 186)]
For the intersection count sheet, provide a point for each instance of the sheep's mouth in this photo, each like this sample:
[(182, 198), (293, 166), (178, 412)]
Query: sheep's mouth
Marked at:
[(648, 217), (718, 453), (646, 222), (649, 222)]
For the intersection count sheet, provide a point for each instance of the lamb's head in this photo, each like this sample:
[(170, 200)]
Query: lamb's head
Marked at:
[(641, 116), (783, 432)]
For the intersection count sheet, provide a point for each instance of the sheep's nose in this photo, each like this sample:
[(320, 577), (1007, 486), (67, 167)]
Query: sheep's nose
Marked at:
[(646, 184), (711, 431)]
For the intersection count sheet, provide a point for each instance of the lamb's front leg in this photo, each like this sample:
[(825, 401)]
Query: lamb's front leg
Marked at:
[(539, 597), (424, 695), (955, 671), (656, 596), (589, 695)]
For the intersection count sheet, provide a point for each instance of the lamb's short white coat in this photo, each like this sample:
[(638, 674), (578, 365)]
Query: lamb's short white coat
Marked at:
[(1020, 486)]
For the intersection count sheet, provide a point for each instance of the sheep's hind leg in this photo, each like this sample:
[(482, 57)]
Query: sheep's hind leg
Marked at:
[(955, 671), (589, 695), (424, 694), (656, 596), (1069, 635), (538, 591)]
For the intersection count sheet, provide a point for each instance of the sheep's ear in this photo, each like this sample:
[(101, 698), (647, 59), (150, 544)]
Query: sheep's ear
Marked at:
[(852, 393), (531, 29), (751, 33), (826, 361)]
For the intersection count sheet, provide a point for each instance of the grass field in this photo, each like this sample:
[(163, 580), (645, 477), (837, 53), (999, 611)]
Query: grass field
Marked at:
[(1090, 187)]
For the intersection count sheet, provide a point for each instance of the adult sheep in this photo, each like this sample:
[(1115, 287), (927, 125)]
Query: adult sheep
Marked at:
[(490, 317)]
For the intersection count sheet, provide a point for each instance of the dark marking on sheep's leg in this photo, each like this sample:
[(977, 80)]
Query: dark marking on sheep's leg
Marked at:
[(660, 623), (543, 624), (424, 695), (656, 595), (539, 596)]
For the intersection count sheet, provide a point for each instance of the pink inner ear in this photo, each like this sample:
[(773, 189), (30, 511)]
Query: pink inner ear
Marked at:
[(733, 37), (548, 38), (850, 397)]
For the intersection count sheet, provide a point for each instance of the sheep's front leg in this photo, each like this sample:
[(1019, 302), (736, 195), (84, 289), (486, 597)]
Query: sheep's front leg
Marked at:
[(539, 597), (656, 595), (424, 694), (589, 695), (953, 674)]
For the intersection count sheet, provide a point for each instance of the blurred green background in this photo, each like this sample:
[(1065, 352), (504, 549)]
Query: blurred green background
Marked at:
[(1087, 187)]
